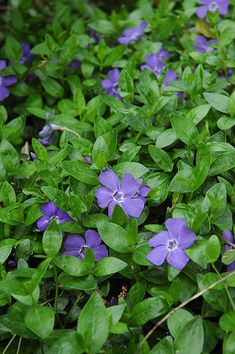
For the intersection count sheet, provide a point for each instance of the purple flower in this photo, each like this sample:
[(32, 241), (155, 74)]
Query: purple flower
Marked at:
[(229, 236), (76, 246), (5, 81), (170, 244), (74, 64), (154, 64), (129, 195), (163, 54), (170, 76), (111, 85), (26, 55), (203, 45), (94, 35), (212, 6), (51, 211), (132, 35), (46, 132), (230, 72)]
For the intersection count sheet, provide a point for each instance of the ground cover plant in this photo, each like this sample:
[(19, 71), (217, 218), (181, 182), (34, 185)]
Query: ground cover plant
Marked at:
[(117, 189)]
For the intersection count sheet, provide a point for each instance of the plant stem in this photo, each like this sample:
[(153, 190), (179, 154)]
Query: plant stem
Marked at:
[(9, 343), (194, 297), (225, 287), (18, 347)]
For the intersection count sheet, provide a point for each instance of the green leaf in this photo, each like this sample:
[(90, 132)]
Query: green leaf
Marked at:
[(79, 101), (5, 249), (52, 239), (229, 344), (231, 105), (148, 310), (40, 320), (212, 249), (217, 101), (100, 152), (9, 156), (165, 346), (136, 169), (39, 150), (69, 50), (161, 158), (190, 339), (72, 344), (228, 257), (178, 320), (185, 129), (108, 265), (114, 55), (225, 123), (114, 236), (227, 320), (71, 265), (7, 194), (93, 324), (80, 171)]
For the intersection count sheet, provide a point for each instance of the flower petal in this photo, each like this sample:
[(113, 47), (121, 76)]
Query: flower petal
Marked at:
[(106, 84), (201, 11), (157, 255), (4, 93), (93, 239), (130, 186), (49, 209), (43, 222), (187, 238), (74, 253), (109, 179), (125, 40), (228, 236), (177, 259), (3, 64), (100, 252), (73, 241), (133, 207), (111, 207), (63, 216), (104, 196), (114, 75), (174, 226), (160, 239), (8, 80)]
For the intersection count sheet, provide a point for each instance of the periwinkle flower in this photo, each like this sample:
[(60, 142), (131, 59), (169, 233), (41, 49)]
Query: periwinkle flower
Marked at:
[(132, 35), (5, 81), (203, 45), (27, 56), (76, 246), (94, 35), (46, 132), (163, 54), (51, 211), (170, 244), (74, 64), (129, 195), (111, 85), (212, 6), (229, 236), (230, 72), (154, 64)]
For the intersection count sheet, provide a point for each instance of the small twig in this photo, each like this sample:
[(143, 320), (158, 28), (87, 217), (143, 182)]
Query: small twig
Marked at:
[(200, 293), (9, 343), (19, 345)]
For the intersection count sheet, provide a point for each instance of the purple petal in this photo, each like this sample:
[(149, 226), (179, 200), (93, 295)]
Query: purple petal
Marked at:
[(46, 141), (177, 259), (130, 32), (74, 253), (187, 238), (93, 239), (46, 130), (110, 208), (110, 180), (133, 207), (228, 236), (170, 76), (73, 241), (130, 186), (157, 255), (231, 267), (144, 191), (201, 11), (4, 93), (174, 226), (125, 40), (8, 80), (49, 209), (63, 216), (223, 7), (100, 252), (43, 222), (154, 62), (114, 75), (107, 84), (201, 40), (160, 239), (163, 54), (3, 64), (104, 196)]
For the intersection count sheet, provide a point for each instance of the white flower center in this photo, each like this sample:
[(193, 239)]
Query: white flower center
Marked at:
[(213, 6), (55, 218), (118, 196), (172, 245)]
